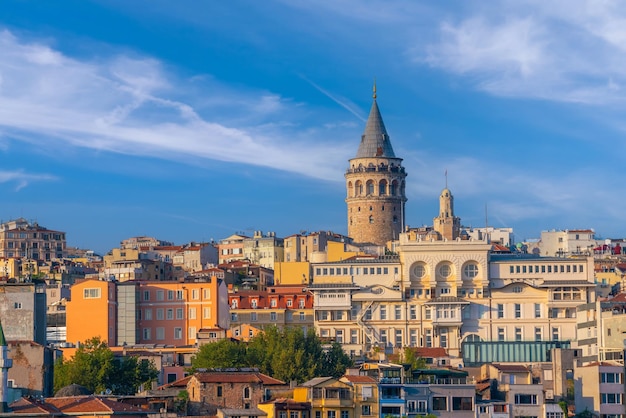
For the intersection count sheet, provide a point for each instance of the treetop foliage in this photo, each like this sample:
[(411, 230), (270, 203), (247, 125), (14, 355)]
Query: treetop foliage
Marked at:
[(288, 355), (95, 367)]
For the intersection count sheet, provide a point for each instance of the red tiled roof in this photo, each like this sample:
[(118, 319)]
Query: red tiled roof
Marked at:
[(511, 368), (90, 404), (236, 377), (359, 379), (31, 407), (431, 352), (177, 383)]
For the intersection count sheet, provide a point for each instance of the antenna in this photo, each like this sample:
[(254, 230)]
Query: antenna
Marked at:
[(486, 217), (446, 175)]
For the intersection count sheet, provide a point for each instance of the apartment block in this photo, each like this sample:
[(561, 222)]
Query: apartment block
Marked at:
[(21, 238), (23, 311), (146, 312)]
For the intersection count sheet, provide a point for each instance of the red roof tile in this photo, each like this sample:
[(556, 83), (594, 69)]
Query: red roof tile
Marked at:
[(359, 379), (236, 377)]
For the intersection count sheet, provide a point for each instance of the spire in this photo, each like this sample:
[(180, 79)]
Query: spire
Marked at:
[(375, 141)]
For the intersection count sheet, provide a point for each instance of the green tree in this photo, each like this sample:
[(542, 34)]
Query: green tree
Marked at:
[(220, 354), (416, 362), (288, 354), (95, 367)]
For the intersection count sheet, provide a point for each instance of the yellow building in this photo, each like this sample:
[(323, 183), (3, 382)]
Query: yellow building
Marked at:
[(329, 397)]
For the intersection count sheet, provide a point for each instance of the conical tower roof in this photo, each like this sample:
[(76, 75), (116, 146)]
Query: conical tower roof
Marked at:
[(375, 141)]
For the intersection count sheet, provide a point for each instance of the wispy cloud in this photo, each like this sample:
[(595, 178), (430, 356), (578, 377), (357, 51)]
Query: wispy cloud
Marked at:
[(22, 178), (132, 105), (544, 50)]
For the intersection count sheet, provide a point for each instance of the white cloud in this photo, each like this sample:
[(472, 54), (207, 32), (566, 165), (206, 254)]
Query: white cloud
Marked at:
[(545, 50), (23, 179), (133, 106)]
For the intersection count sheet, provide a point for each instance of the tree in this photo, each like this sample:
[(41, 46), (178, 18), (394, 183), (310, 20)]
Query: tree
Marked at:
[(410, 357), (95, 367), (288, 354), (220, 354)]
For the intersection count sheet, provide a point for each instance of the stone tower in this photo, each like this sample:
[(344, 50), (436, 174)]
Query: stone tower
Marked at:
[(375, 182), (448, 225)]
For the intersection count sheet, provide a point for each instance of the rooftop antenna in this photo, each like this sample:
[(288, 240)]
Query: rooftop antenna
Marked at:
[(446, 175), (486, 217)]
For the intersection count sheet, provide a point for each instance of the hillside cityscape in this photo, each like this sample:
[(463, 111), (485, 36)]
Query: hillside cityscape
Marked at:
[(387, 321)]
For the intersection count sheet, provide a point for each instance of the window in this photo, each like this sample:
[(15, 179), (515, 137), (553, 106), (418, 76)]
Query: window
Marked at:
[(253, 317), (146, 295), (500, 310), (160, 295), (611, 377), (501, 334), (470, 270), (159, 314), (523, 399), (413, 312), (518, 310), (169, 313), (537, 310), (195, 294), (445, 271), (366, 410), (461, 403), (354, 336), (344, 414), (611, 398), (302, 316), (538, 334), (178, 333), (246, 392), (17, 305), (428, 338), (170, 294), (160, 333), (234, 317), (146, 334), (206, 313), (518, 334), (383, 312), (556, 335), (220, 391), (440, 403), (273, 316), (398, 312), (148, 314), (91, 293), (192, 313), (330, 414), (517, 289), (179, 313)]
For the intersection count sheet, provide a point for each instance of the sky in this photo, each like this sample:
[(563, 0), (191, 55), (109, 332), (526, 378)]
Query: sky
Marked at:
[(190, 121)]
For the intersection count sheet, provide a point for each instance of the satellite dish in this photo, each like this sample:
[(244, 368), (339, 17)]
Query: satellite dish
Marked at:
[(108, 391)]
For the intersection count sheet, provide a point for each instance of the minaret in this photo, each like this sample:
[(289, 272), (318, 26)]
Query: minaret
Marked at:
[(448, 225), (5, 364), (375, 183)]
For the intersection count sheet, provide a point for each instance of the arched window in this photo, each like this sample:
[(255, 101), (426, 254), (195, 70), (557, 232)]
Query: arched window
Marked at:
[(246, 392), (470, 270), (393, 188), (382, 187), (350, 189), (358, 188), (370, 187)]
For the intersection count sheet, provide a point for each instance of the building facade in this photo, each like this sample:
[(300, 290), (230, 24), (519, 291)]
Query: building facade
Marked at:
[(20, 238)]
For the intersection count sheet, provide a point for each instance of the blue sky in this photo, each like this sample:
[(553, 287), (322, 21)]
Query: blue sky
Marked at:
[(190, 120)]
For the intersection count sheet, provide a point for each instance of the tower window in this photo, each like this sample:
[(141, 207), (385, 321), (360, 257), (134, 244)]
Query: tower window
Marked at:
[(371, 208), (370, 187), (382, 188), (371, 219), (393, 187), (395, 219)]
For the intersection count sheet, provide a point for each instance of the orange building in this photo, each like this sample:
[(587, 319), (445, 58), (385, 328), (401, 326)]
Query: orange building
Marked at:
[(146, 312), (92, 311)]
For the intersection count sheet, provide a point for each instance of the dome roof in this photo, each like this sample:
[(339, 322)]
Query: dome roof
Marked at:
[(72, 390)]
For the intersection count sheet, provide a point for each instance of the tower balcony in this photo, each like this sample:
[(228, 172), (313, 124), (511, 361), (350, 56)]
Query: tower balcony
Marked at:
[(383, 168)]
